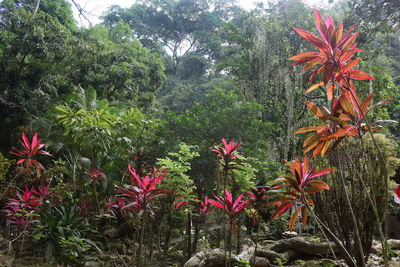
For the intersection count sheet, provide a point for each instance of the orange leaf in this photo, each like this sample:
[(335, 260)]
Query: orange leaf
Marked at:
[(315, 86), (307, 129), (339, 33), (307, 55), (320, 23), (319, 184), (304, 214), (311, 64), (318, 149), (326, 146), (349, 42), (347, 106), (293, 219), (315, 109), (364, 105), (350, 65), (331, 91)]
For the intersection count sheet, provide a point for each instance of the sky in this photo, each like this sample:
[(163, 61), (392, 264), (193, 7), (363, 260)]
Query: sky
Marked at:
[(96, 7)]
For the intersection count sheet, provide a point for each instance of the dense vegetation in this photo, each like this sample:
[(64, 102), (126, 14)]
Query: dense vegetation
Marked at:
[(120, 133)]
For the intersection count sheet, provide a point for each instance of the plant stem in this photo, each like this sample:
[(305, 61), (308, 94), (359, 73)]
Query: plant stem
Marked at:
[(139, 253), (352, 215), (338, 243), (385, 212)]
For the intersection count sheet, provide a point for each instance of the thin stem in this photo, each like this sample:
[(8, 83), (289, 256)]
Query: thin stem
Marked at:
[(323, 227), (371, 200), (386, 199), (352, 216)]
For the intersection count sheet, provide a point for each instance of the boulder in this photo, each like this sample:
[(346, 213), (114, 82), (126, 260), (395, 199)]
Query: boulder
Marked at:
[(208, 258)]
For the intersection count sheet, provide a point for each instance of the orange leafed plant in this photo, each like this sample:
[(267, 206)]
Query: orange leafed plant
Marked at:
[(302, 182), (346, 116)]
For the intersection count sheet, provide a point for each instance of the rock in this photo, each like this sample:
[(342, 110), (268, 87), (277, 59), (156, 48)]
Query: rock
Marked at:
[(177, 255), (248, 255), (93, 264), (394, 243), (261, 262), (289, 234), (195, 260), (208, 258)]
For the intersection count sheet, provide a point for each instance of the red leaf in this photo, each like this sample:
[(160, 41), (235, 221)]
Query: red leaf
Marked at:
[(312, 38), (321, 172), (360, 75), (315, 86), (321, 26), (350, 65), (293, 219)]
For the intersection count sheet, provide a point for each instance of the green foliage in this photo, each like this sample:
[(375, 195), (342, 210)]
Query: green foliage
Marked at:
[(177, 165), (5, 165), (62, 232)]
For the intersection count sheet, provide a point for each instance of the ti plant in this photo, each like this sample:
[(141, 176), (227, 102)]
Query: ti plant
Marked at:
[(232, 208), (139, 196), (29, 151), (228, 157), (345, 117), (302, 184)]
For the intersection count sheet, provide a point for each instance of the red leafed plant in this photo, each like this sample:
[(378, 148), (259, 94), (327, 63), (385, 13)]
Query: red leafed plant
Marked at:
[(334, 56), (18, 210), (231, 208), (302, 183), (229, 159), (258, 200), (95, 174), (346, 117), (139, 195), (341, 121), (180, 203), (227, 152), (30, 150)]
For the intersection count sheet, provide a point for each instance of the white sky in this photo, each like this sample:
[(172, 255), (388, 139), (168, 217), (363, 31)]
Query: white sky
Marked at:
[(97, 7)]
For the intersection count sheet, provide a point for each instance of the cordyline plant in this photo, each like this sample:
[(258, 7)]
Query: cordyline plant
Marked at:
[(20, 211), (139, 195), (29, 151), (94, 176), (232, 208), (227, 155), (302, 185), (346, 116)]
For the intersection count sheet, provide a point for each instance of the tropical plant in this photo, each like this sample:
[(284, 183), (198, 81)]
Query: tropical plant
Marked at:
[(346, 116), (29, 152), (63, 232), (20, 211), (302, 185), (139, 196), (232, 208)]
